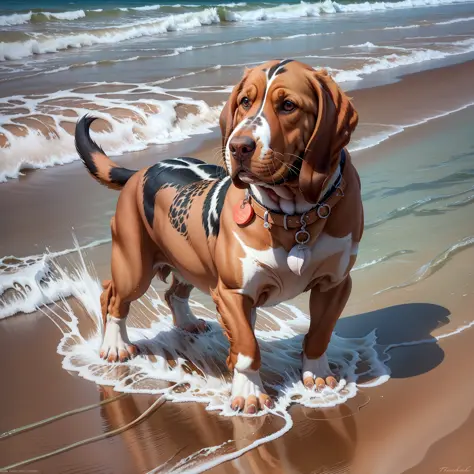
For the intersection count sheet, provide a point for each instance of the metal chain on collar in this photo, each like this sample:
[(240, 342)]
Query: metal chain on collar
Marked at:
[(302, 236)]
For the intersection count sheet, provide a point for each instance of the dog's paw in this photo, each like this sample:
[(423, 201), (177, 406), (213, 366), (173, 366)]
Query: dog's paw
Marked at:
[(115, 346), (118, 352), (248, 394), (317, 373)]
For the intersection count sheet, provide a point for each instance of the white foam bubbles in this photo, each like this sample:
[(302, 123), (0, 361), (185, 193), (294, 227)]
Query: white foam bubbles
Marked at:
[(198, 373), (147, 8), (405, 58), (70, 16), (280, 12), (208, 381), (30, 282), (141, 123), (455, 20), (303, 9), (15, 19), (51, 44), (402, 27)]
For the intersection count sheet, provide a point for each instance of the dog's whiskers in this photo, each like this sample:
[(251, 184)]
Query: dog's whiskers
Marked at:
[(288, 166)]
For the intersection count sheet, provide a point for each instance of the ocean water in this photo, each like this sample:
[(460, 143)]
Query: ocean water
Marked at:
[(158, 73), (418, 225)]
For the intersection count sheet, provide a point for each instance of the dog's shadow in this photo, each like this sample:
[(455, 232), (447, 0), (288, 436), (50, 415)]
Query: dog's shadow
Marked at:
[(403, 331)]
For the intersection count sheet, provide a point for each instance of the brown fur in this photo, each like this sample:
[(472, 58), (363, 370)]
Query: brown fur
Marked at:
[(317, 131)]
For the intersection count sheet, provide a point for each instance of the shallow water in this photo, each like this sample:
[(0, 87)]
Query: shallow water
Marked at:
[(418, 195), (138, 69)]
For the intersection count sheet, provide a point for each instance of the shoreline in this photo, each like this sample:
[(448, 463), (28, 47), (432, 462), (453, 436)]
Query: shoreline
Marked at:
[(417, 422), (138, 141), (86, 216)]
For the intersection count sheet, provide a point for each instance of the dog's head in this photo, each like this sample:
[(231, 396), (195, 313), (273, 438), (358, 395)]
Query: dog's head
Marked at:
[(286, 123)]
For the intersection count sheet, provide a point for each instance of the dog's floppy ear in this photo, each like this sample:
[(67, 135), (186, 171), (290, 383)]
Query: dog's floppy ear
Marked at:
[(226, 119), (336, 120)]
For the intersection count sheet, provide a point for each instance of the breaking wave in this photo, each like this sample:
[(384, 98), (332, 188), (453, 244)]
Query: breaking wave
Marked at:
[(130, 124), (112, 35)]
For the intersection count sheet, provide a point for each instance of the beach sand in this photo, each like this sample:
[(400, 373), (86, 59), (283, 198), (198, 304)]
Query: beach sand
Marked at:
[(420, 421)]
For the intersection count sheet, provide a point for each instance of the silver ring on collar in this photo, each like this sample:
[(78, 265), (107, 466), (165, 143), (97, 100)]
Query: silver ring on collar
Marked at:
[(302, 237), (325, 214)]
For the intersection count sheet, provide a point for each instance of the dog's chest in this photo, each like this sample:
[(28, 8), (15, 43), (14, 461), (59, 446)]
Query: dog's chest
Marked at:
[(267, 270)]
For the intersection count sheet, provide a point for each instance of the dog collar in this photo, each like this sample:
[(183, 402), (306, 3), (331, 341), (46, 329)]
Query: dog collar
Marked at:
[(322, 210)]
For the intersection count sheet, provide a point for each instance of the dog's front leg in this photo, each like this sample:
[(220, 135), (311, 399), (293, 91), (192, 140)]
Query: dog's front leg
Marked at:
[(237, 317), (325, 309)]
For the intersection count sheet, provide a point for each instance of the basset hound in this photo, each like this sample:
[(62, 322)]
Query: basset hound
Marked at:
[(283, 217)]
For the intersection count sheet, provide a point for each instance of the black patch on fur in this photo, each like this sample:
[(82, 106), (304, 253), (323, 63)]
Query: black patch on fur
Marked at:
[(176, 173), (214, 171), (274, 68), (182, 202), (210, 219), (120, 176), (85, 147)]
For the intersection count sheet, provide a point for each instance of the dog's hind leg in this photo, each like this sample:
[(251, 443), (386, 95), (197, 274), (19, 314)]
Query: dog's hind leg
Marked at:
[(177, 298), (132, 272)]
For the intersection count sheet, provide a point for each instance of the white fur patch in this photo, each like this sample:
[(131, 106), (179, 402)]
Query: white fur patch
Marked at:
[(213, 208), (269, 268), (262, 134), (316, 367), (301, 204), (247, 383), (186, 165), (115, 337), (287, 206), (243, 362)]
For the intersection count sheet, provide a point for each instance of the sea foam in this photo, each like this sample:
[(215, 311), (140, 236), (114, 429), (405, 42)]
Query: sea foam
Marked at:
[(198, 373)]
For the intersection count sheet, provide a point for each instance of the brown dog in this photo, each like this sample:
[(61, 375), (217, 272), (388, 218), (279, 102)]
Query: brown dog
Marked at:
[(284, 217)]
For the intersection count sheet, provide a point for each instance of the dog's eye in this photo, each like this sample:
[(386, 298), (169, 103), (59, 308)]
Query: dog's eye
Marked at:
[(288, 106), (245, 103)]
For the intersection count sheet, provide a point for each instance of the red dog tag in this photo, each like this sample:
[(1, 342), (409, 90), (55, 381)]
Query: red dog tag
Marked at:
[(243, 213)]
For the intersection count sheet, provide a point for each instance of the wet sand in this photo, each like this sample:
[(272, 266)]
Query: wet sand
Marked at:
[(419, 422)]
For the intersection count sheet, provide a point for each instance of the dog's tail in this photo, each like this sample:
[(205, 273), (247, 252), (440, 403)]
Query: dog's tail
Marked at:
[(99, 165)]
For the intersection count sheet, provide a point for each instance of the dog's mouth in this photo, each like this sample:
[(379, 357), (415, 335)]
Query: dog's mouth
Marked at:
[(243, 178), (248, 177), (276, 192)]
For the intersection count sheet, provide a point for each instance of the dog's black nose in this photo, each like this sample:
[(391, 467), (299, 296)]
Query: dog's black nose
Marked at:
[(242, 147)]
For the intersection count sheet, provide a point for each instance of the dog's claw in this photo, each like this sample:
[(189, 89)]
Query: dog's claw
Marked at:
[(238, 403), (115, 354), (251, 405), (319, 383)]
